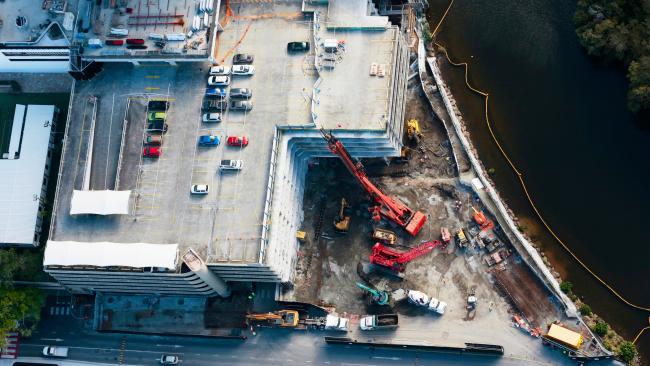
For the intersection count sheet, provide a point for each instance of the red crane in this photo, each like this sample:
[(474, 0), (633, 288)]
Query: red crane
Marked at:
[(395, 260), (387, 207)]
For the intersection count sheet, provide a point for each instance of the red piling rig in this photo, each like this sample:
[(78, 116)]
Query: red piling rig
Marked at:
[(389, 258), (387, 207)]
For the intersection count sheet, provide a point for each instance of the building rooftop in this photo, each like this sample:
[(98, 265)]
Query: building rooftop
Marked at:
[(22, 22), (168, 29), (22, 169), (224, 226)]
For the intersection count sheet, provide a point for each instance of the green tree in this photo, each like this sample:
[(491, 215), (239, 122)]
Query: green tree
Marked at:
[(601, 328), (566, 287), (10, 263), (585, 309), (627, 351), (20, 310)]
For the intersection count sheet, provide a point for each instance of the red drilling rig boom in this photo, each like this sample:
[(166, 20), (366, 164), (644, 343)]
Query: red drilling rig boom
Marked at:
[(395, 260), (387, 207)]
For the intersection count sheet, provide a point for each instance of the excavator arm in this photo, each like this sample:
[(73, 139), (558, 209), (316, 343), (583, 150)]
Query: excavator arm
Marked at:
[(389, 208)]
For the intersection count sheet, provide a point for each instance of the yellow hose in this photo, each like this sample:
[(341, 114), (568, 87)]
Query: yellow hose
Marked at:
[(520, 176)]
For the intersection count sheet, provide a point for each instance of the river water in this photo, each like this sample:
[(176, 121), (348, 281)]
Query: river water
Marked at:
[(562, 118)]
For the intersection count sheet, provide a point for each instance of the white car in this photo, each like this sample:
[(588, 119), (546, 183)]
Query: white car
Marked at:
[(219, 80), (212, 117), (418, 298), (220, 70), (199, 189), (231, 165), (169, 360), (243, 70)]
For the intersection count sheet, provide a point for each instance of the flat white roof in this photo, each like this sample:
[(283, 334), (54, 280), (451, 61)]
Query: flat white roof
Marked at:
[(22, 178), (107, 254), (100, 202)]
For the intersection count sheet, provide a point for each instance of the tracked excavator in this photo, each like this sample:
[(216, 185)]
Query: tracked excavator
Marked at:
[(385, 207)]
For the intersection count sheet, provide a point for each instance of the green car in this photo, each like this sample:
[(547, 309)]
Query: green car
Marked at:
[(157, 116)]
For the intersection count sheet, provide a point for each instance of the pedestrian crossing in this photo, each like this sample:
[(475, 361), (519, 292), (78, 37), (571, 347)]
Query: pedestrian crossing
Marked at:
[(11, 348)]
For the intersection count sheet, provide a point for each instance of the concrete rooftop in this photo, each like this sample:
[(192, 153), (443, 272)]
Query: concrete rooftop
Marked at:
[(225, 226), (38, 17)]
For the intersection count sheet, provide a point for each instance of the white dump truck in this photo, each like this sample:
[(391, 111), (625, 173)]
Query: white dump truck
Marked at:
[(381, 321), (333, 322)]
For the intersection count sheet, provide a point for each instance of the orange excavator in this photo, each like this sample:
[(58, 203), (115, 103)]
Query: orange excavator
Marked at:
[(481, 220), (386, 207), (282, 318)]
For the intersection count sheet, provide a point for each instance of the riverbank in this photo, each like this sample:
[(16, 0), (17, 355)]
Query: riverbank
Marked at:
[(463, 149)]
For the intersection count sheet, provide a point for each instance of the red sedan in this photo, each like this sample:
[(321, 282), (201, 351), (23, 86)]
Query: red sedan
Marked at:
[(240, 141), (151, 152)]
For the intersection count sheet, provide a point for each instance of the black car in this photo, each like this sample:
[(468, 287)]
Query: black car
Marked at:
[(241, 93), (158, 106), (242, 59), (214, 105), (297, 46), (157, 127), (241, 105)]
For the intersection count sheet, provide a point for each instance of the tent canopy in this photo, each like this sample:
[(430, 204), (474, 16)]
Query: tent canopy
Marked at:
[(107, 254), (100, 202)]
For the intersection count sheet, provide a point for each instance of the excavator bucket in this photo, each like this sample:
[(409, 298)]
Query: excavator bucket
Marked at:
[(415, 224)]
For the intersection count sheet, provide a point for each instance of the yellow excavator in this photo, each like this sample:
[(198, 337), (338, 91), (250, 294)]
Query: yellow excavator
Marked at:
[(413, 130), (342, 220), (282, 318)]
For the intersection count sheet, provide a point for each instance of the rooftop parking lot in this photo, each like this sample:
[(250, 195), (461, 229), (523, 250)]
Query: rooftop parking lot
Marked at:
[(225, 225)]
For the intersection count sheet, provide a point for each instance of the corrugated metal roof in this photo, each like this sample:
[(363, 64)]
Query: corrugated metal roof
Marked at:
[(565, 336)]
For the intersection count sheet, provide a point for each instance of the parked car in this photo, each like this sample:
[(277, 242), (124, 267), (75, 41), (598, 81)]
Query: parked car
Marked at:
[(212, 117), (169, 360), (219, 80), (297, 47), (215, 93), (151, 152), (158, 105), (241, 93), (154, 140), (134, 41), (242, 59), (214, 105), (55, 351), (241, 105), (137, 46), (208, 140), (157, 127), (240, 141), (114, 42), (199, 189), (231, 165), (156, 116), (220, 70), (243, 70)]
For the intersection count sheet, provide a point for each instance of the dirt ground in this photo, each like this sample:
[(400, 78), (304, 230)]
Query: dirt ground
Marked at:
[(328, 265)]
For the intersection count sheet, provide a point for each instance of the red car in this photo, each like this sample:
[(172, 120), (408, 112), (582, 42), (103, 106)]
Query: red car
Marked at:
[(237, 141), (134, 41), (114, 42), (151, 152)]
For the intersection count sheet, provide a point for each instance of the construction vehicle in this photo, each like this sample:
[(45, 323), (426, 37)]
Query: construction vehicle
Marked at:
[(381, 321), (386, 207), (421, 299), (445, 234), (384, 236), (342, 220), (413, 130), (396, 261), (292, 319), (282, 318), (378, 296), (481, 220), (462, 239)]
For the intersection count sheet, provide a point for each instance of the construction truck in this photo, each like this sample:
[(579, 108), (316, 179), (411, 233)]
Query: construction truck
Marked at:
[(381, 321), (461, 238), (481, 220), (421, 299), (292, 319), (342, 220), (396, 261), (445, 234), (413, 131)]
